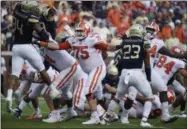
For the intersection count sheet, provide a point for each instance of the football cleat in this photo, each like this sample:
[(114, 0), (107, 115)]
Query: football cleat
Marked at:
[(70, 115), (169, 119), (182, 115), (17, 113), (145, 124), (124, 120), (54, 117), (91, 121)]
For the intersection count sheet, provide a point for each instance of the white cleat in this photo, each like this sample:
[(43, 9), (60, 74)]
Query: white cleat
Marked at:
[(168, 118), (92, 121), (71, 114), (54, 93), (124, 120), (182, 115), (54, 117), (9, 105), (103, 122), (145, 124)]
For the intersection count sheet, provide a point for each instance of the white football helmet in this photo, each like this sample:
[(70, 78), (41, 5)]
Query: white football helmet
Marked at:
[(82, 31), (136, 30), (152, 30)]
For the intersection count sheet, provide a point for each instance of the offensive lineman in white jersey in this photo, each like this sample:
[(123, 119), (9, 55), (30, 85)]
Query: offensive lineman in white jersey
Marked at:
[(87, 49), (35, 86), (167, 67), (157, 46), (70, 71)]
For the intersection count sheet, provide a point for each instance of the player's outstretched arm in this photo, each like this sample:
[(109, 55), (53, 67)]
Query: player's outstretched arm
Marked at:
[(107, 47), (166, 51), (52, 45)]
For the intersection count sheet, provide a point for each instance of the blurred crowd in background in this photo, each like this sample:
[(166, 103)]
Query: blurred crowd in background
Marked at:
[(111, 19)]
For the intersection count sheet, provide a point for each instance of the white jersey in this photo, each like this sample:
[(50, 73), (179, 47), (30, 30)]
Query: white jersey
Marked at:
[(167, 66), (89, 57), (156, 45), (29, 73), (60, 59)]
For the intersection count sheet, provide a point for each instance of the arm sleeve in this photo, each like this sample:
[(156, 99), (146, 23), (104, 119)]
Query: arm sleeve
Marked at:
[(101, 45), (64, 45)]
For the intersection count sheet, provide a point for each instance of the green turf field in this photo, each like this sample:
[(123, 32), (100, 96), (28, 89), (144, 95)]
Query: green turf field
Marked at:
[(9, 121)]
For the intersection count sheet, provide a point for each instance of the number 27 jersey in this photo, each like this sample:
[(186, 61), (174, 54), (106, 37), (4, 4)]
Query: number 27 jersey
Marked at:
[(84, 50)]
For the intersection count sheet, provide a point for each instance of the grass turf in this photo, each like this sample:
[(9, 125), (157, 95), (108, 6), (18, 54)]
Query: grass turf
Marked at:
[(9, 121)]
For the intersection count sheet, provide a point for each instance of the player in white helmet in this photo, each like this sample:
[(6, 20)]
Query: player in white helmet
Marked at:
[(87, 49), (157, 46)]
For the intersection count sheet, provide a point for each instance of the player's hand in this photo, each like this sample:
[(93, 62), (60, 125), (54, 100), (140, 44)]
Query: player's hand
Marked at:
[(35, 41)]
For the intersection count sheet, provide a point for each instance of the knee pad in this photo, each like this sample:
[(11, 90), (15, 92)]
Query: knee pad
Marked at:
[(128, 103)]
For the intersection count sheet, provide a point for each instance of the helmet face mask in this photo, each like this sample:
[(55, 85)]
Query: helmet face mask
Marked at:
[(80, 33), (152, 30)]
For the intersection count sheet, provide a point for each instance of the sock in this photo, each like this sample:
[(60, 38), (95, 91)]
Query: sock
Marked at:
[(9, 94), (62, 110), (37, 110), (70, 110), (95, 115), (22, 105), (164, 107), (125, 113), (112, 106), (146, 110)]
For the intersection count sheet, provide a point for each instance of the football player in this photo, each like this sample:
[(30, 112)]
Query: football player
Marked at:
[(134, 53), (26, 20), (157, 46), (87, 49)]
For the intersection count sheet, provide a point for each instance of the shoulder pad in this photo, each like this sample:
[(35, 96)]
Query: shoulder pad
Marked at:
[(33, 19)]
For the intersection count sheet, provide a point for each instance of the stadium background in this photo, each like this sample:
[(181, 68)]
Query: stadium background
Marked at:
[(110, 19)]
